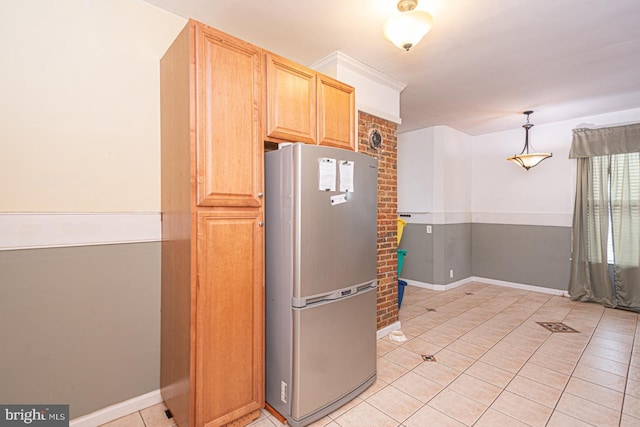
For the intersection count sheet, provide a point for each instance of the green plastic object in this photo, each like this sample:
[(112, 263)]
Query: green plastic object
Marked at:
[(401, 254)]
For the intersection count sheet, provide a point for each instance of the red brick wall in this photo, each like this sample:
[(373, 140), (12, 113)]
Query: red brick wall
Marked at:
[(387, 212)]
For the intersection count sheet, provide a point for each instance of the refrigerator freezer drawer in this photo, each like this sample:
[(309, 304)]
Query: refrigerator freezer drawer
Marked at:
[(334, 350)]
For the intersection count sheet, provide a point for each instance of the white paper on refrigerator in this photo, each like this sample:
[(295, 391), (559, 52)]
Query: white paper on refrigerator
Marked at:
[(346, 176), (327, 174)]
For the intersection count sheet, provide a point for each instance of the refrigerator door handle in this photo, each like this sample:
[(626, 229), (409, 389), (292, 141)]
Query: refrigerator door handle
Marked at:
[(340, 293)]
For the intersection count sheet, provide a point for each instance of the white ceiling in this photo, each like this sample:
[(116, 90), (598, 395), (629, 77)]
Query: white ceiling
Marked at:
[(482, 64)]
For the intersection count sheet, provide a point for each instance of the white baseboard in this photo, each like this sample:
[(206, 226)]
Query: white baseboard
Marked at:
[(118, 410), (388, 329), (522, 286), (438, 287), (453, 285)]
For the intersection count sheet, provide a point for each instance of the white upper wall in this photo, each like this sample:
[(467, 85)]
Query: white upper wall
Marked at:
[(81, 105), (416, 170), (446, 176), (505, 193), (457, 169), (81, 129), (434, 175)]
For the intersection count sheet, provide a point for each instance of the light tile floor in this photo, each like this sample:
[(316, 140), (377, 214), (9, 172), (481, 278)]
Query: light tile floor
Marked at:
[(495, 366)]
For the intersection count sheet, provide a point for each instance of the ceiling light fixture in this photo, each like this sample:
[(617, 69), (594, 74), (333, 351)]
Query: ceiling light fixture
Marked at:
[(407, 29), (526, 159)]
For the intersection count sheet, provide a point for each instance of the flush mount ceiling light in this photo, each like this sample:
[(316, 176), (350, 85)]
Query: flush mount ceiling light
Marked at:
[(528, 159), (407, 29)]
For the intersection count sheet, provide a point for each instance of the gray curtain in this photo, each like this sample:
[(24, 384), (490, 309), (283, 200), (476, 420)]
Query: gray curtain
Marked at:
[(605, 265), (625, 219), (605, 141), (589, 268)]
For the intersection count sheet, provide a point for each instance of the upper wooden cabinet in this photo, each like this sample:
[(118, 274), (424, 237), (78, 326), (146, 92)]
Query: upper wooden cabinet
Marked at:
[(336, 113), (228, 110), (306, 106), (291, 101)]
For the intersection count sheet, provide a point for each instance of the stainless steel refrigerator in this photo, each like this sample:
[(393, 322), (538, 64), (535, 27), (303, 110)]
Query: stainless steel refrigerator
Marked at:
[(321, 244)]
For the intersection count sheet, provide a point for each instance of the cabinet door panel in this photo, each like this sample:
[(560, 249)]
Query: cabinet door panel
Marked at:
[(228, 105), (336, 113), (230, 316), (291, 101)]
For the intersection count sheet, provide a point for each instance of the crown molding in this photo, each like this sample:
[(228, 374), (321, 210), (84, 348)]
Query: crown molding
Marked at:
[(338, 59)]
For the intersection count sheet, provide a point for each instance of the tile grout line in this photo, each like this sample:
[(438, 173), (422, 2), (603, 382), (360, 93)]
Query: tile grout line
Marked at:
[(537, 348), (520, 369), (570, 375), (515, 374), (540, 306), (564, 389), (626, 379), (463, 371), (445, 386)]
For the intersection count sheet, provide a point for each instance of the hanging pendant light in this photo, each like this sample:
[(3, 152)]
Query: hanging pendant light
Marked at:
[(407, 29), (528, 159)]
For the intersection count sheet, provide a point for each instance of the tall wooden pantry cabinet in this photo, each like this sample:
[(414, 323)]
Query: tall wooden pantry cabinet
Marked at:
[(212, 340)]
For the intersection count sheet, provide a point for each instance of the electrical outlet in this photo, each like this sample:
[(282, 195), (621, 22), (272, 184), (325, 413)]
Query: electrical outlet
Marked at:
[(283, 391), (428, 229), (451, 274)]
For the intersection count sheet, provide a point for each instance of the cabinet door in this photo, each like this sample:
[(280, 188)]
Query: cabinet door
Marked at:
[(229, 316), (336, 113), (228, 108), (291, 101)]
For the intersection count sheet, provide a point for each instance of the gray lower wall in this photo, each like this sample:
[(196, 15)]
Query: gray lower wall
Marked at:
[(524, 254), (80, 325), (430, 257), (419, 262), (527, 254)]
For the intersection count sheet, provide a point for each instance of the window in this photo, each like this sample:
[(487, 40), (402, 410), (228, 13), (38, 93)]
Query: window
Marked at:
[(615, 194)]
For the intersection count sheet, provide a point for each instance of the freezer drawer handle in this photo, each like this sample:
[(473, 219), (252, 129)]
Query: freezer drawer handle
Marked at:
[(315, 299)]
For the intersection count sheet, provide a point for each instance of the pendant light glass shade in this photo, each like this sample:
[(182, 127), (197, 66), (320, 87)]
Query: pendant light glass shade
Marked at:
[(530, 160), (409, 27), (526, 159)]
